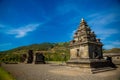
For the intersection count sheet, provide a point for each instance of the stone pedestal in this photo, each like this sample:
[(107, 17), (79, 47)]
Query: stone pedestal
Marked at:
[(88, 63), (92, 65)]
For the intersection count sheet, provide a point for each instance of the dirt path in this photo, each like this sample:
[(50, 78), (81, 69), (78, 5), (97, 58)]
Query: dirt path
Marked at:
[(55, 72)]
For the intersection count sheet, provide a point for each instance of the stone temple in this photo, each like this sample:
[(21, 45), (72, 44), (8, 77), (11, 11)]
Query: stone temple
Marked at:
[(86, 50), (85, 45)]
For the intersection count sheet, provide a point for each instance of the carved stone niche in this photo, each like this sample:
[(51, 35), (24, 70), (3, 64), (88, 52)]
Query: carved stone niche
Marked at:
[(76, 34), (88, 31), (93, 32), (97, 40)]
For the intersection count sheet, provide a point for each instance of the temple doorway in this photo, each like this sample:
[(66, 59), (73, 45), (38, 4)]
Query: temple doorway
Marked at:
[(40, 58), (78, 51)]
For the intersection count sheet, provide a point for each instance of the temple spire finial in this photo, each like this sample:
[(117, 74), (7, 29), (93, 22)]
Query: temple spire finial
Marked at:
[(82, 20)]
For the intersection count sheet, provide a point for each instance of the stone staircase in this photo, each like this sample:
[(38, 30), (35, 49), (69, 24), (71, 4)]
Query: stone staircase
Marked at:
[(98, 70)]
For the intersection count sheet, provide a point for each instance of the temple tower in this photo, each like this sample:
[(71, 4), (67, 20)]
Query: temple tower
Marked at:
[(86, 50), (85, 45)]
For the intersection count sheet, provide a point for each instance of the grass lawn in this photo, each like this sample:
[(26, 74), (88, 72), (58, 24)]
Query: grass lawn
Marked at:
[(4, 75)]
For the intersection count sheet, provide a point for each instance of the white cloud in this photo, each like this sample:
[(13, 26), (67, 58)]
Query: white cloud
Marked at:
[(105, 33), (108, 46), (101, 24), (116, 43), (23, 31), (100, 21)]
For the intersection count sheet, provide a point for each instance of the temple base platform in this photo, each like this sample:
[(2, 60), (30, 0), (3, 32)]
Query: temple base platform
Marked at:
[(92, 65)]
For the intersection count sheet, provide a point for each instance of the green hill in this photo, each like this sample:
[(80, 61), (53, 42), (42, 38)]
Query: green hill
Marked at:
[(113, 50), (52, 51), (37, 47)]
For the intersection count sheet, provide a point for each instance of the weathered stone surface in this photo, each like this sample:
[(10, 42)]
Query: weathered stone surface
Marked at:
[(115, 57), (86, 49), (30, 56), (85, 44)]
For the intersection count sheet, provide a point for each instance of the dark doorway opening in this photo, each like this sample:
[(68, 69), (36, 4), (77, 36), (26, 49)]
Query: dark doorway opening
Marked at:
[(40, 58), (78, 51)]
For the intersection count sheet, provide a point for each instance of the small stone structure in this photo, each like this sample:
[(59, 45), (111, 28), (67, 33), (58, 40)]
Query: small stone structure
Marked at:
[(114, 56), (30, 56), (40, 58), (86, 49), (37, 58)]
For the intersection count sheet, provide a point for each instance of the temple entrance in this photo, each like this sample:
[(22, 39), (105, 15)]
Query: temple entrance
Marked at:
[(78, 51), (40, 58), (96, 55)]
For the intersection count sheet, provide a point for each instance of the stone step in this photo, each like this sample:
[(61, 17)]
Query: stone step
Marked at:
[(97, 70)]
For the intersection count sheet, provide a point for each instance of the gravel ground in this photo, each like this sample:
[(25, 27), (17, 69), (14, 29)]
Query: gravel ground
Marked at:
[(56, 72)]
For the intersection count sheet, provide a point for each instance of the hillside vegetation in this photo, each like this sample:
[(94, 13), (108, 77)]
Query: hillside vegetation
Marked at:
[(51, 51), (113, 50)]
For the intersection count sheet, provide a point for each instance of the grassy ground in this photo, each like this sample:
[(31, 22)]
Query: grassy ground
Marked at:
[(5, 75)]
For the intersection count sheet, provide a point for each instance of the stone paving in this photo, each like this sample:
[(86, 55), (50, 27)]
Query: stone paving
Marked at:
[(56, 72)]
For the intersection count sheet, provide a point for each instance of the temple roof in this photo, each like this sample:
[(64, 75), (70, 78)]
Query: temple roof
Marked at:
[(84, 35)]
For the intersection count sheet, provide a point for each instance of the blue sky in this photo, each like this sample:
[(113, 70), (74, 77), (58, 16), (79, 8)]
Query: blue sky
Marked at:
[(25, 22)]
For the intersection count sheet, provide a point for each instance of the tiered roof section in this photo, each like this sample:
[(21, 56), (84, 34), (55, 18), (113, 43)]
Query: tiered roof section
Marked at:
[(84, 35)]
